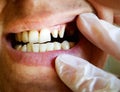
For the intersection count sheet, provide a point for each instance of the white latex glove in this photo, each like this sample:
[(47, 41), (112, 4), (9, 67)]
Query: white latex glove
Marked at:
[(101, 33), (81, 76)]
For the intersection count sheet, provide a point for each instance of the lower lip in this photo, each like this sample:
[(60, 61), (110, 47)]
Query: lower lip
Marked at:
[(39, 59)]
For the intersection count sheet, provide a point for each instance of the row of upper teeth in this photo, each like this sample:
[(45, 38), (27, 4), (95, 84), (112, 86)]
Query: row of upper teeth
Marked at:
[(34, 36), (30, 47)]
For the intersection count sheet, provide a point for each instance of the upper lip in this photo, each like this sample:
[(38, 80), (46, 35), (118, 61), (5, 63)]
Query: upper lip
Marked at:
[(21, 25)]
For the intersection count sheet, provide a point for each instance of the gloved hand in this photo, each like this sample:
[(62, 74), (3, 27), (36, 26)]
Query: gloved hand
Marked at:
[(81, 76)]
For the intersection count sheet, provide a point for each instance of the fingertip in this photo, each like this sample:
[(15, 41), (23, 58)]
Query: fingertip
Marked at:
[(85, 21), (87, 16), (65, 70)]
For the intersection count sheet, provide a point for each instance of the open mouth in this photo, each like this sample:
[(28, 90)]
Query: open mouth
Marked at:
[(62, 37), (31, 47)]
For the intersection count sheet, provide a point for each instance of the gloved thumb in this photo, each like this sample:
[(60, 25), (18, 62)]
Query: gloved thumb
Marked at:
[(81, 76)]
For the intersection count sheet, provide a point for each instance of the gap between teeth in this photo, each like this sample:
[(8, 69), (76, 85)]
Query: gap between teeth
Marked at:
[(30, 47)]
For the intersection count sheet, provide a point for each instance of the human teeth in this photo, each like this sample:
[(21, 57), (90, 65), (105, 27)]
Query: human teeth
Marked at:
[(24, 48), (25, 37), (62, 31), (57, 46), (65, 45), (43, 47), (44, 35), (50, 46), (29, 47), (35, 41), (18, 47), (72, 44), (19, 37), (55, 33), (33, 36), (35, 47)]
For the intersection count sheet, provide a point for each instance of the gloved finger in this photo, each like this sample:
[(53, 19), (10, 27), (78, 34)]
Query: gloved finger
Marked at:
[(81, 76), (101, 33)]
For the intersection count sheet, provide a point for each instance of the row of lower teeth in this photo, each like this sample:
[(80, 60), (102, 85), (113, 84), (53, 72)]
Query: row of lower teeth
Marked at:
[(31, 47)]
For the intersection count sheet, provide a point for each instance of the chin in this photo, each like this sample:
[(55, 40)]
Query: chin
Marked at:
[(28, 57)]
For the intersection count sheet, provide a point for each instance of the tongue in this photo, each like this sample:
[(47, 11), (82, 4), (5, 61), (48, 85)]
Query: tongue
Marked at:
[(101, 33)]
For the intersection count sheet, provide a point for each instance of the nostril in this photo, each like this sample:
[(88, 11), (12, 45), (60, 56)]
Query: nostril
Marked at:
[(72, 33)]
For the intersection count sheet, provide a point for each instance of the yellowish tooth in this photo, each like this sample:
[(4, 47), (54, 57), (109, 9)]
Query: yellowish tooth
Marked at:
[(24, 48), (43, 47), (29, 47), (50, 46), (33, 36), (65, 45), (44, 35), (25, 37), (57, 46), (35, 47), (18, 47), (19, 37), (72, 44), (55, 33), (62, 31)]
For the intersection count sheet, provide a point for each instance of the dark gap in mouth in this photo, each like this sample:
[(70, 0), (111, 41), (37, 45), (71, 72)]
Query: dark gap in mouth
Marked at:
[(12, 39), (71, 34)]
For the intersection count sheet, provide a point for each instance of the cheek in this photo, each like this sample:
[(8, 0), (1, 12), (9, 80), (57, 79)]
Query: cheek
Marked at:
[(1, 30), (2, 5)]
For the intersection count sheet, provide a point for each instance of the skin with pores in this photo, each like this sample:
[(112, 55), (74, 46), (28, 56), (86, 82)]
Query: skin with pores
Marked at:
[(17, 16)]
